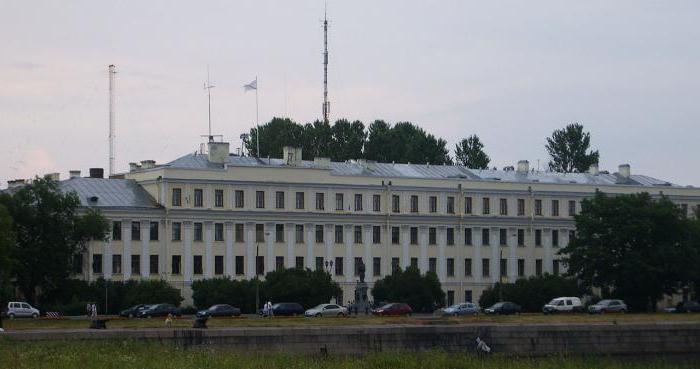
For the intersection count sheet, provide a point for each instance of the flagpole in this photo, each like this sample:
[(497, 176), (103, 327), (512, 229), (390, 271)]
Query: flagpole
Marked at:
[(257, 121)]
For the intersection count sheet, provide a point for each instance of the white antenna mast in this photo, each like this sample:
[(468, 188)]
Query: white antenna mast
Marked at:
[(208, 86), (326, 104), (112, 136)]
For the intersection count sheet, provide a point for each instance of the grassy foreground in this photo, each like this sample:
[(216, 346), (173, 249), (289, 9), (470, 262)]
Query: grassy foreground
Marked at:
[(124, 355)]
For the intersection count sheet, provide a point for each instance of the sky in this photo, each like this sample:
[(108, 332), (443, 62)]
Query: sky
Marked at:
[(510, 72)]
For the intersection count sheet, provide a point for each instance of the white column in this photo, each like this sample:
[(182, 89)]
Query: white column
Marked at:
[(250, 249), (270, 235), (187, 252), (547, 243), (477, 271), (348, 238), (495, 255), (126, 251), (229, 249), (208, 252), (442, 261), (145, 249), (367, 260), (423, 244), (107, 259), (291, 240), (310, 241), (405, 240)]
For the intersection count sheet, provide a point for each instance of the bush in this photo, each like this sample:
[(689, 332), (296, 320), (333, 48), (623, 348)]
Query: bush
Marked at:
[(532, 293), (423, 293), (241, 294)]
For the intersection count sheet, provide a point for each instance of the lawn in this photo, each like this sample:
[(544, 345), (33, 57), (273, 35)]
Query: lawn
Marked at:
[(184, 322)]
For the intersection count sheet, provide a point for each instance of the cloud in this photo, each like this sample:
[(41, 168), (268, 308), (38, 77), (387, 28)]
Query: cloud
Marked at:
[(26, 65)]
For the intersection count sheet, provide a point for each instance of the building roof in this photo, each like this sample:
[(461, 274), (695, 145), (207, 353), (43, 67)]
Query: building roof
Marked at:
[(114, 193), (425, 171)]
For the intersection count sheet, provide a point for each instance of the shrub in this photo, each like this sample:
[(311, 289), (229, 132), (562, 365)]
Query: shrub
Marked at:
[(532, 293), (423, 293)]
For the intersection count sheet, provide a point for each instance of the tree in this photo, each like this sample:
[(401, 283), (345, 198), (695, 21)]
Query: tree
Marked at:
[(532, 293), (405, 143), (470, 153), (568, 149), (6, 244), (423, 293), (633, 247), (348, 140), (378, 146), (50, 232), (307, 287), (317, 141), (240, 294), (274, 135)]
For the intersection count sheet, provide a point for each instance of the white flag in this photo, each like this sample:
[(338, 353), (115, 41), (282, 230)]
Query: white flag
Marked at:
[(251, 86)]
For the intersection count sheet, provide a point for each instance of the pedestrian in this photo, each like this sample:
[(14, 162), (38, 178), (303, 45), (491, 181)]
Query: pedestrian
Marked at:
[(264, 310), (270, 310), (88, 310), (94, 311)]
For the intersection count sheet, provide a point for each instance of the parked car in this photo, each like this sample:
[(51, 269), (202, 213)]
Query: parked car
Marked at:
[(466, 308), (133, 311), (393, 309), (219, 310), (503, 308), (688, 307), (326, 310), (21, 310), (608, 306), (563, 305), (285, 309), (158, 310)]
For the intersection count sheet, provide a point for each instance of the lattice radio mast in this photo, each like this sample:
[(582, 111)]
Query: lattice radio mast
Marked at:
[(112, 135), (326, 104)]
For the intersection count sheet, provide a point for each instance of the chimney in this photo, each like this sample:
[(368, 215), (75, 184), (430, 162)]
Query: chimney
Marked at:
[(74, 174), (54, 176), (322, 163), (624, 170), (217, 152), (97, 173), (15, 183), (523, 166), (593, 169), (134, 167), (291, 155), (147, 164)]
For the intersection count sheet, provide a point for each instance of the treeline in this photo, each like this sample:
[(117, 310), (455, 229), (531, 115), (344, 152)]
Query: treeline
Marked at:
[(404, 142)]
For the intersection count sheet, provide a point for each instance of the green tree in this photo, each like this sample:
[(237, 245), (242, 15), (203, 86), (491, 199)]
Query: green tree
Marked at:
[(423, 293), (568, 148), (274, 135), (532, 293), (7, 241), (633, 247), (405, 143), (240, 294), (379, 142), (470, 153), (50, 232), (307, 287), (318, 140), (348, 140)]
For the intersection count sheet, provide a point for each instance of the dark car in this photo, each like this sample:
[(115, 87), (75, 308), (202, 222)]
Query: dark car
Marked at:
[(688, 307), (285, 309), (608, 306), (133, 311), (158, 310), (503, 308), (393, 309), (219, 310)]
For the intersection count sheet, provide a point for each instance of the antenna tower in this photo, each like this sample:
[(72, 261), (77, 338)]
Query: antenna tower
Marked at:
[(326, 103), (112, 136), (208, 86)]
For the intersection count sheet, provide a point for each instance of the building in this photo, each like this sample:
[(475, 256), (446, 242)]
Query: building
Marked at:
[(217, 214)]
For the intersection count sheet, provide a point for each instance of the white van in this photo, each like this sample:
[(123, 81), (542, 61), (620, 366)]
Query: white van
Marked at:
[(20, 310), (563, 305)]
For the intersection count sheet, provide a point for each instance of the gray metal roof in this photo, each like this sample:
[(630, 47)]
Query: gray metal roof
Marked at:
[(109, 192), (424, 171)]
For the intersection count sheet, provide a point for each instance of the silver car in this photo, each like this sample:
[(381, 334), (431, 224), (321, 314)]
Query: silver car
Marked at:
[(326, 310), (21, 310), (466, 308)]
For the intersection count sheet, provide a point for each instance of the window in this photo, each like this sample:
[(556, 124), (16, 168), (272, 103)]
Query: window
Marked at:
[(358, 202), (136, 264), (175, 263), (521, 267), (504, 267), (395, 265), (395, 203), (260, 199), (153, 231), (555, 267), (218, 264), (486, 207), (414, 263), (467, 205), (572, 208), (414, 235), (358, 234), (485, 266), (376, 203), (97, 263), (572, 235), (300, 200), (239, 198), (198, 198), (450, 267), (485, 237), (338, 265), (432, 265), (177, 197), (450, 236), (376, 234), (197, 264), (279, 199), (555, 208), (521, 207), (177, 231), (538, 207), (240, 265), (503, 236), (259, 265), (538, 237), (319, 263), (135, 231), (432, 236), (339, 201), (467, 295), (358, 261), (259, 233), (319, 233), (116, 231), (299, 262), (320, 201), (218, 231), (117, 264), (432, 204), (450, 298), (395, 234), (279, 262), (153, 263), (279, 232), (521, 237), (414, 203), (468, 236), (240, 233), (219, 198), (338, 234), (467, 267), (450, 205), (538, 267), (555, 238), (197, 231), (299, 233), (376, 267)]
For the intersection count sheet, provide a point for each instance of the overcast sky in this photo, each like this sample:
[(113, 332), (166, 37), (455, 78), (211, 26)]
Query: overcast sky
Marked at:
[(508, 71)]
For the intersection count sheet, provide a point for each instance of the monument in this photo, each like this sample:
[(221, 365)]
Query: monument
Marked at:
[(361, 301)]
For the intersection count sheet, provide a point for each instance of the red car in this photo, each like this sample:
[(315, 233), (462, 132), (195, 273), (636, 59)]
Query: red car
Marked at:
[(394, 309)]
